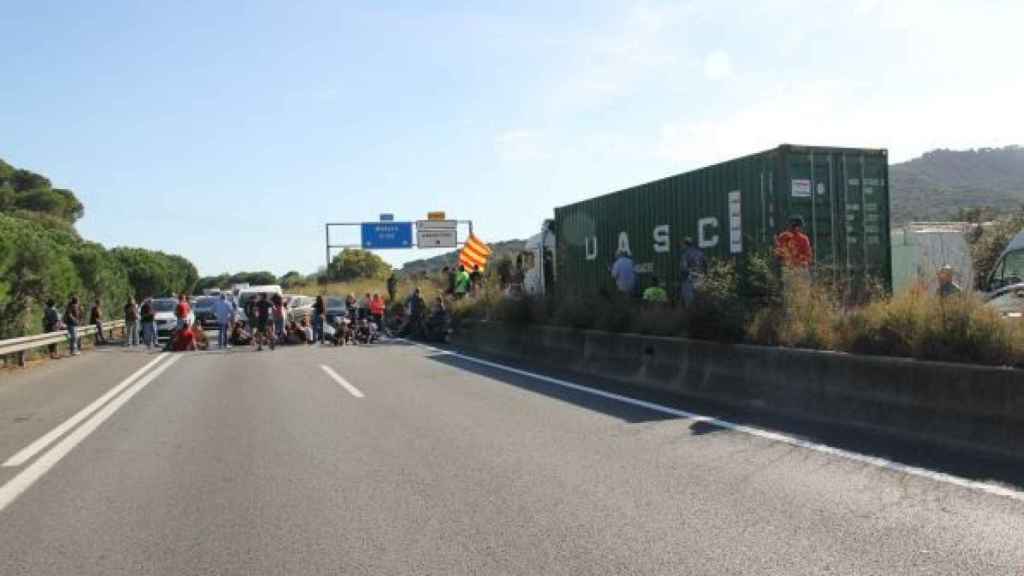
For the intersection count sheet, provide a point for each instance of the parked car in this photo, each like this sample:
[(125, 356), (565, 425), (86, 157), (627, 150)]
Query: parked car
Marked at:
[(299, 307), (166, 322), (252, 293), (203, 310), (334, 309)]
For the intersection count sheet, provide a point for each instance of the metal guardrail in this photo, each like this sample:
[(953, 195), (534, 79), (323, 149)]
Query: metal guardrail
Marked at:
[(25, 343)]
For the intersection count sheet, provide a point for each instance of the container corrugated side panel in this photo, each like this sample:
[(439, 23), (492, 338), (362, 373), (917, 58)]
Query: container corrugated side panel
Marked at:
[(829, 197), (673, 208)]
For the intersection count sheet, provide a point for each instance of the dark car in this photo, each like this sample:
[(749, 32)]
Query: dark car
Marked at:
[(203, 309), (335, 308)]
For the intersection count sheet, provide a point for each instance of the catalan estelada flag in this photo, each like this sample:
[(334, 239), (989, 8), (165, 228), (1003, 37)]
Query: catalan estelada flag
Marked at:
[(474, 253)]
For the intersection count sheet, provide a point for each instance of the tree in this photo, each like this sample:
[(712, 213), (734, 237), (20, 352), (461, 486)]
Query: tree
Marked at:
[(292, 278), (351, 264), (101, 273), (32, 268)]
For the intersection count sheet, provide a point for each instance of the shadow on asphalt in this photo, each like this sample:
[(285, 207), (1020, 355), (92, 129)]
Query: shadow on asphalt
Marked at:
[(922, 455)]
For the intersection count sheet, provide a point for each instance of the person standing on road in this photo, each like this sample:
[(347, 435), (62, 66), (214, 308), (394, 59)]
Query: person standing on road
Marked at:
[(223, 311), (72, 318), (624, 274), (182, 311), (364, 306), (261, 311), (131, 323), (148, 317), (392, 290), (351, 305), (318, 319), (279, 313), (692, 267), (377, 308), (51, 323), (96, 319)]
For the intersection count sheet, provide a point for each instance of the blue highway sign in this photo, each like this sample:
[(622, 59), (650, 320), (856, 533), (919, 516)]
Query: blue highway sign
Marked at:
[(379, 235)]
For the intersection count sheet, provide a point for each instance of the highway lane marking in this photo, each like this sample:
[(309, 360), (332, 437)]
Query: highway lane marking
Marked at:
[(342, 382), (992, 489), (26, 478), (28, 452)]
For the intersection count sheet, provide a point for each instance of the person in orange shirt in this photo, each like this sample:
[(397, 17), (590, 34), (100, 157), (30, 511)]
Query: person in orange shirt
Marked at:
[(377, 308), (793, 247)]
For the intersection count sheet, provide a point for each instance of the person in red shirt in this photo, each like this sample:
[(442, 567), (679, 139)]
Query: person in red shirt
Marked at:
[(183, 311), (793, 247), (184, 340)]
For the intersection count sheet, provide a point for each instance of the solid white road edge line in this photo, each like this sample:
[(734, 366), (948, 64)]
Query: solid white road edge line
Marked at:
[(26, 453), (341, 381), (961, 482), (26, 478)]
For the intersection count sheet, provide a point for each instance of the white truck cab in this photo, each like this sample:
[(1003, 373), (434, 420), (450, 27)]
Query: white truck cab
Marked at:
[(536, 263), (1004, 287)]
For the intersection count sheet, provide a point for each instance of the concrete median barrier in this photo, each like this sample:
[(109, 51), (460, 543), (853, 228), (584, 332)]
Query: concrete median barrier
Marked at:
[(974, 408)]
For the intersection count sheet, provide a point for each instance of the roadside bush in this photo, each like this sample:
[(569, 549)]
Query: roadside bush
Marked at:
[(921, 325), (806, 316), (719, 312)]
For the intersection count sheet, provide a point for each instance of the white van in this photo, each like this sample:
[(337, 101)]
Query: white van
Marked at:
[(252, 293)]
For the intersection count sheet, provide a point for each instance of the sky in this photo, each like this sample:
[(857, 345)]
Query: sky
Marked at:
[(230, 132)]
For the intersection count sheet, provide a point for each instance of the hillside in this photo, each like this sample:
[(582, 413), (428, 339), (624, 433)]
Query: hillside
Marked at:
[(500, 249), (940, 183)]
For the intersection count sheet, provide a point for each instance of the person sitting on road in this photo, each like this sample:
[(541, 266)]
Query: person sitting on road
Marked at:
[(202, 341), (294, 334), (184, 340), (239, 335), (307, 330)]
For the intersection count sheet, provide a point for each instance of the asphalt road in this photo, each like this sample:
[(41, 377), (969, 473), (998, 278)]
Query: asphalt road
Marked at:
[(397, 459)]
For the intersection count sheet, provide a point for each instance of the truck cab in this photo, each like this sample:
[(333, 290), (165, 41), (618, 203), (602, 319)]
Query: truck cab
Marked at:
[(1004, 287), (535, 264)]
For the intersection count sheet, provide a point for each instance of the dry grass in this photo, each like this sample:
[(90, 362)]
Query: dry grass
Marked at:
[(808, 317), (922, 325), (428, 288)]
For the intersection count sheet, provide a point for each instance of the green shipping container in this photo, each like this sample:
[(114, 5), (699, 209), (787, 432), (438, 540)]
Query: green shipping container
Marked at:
[(732, 209)]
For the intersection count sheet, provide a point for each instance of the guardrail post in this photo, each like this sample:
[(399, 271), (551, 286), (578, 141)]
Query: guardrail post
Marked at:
[(21, 358)]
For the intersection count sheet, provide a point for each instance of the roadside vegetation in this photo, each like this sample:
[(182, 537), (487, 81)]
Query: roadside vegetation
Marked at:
[(753, 303), (42, 256)]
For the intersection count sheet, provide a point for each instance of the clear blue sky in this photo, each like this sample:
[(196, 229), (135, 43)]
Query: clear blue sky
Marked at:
[(230, 131)]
